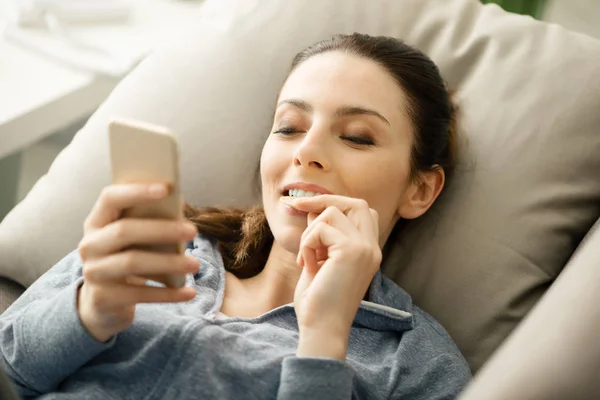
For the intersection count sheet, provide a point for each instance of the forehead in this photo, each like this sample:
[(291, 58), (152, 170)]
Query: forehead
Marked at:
[(335, 78)]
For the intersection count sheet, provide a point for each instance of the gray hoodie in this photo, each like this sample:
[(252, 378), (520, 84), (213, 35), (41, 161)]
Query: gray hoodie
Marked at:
[(185, 351)]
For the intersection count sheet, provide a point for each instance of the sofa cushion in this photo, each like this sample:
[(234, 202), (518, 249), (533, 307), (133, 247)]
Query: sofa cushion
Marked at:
[(562, 363), (9, 292)]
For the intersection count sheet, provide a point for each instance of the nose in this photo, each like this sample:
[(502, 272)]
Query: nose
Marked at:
[(311, 151)]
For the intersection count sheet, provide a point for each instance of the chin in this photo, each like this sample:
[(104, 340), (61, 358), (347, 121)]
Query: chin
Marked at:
[(288, 237), (287, 230)]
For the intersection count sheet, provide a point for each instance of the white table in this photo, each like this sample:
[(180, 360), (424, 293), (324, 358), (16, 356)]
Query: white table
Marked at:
[(39, 96)]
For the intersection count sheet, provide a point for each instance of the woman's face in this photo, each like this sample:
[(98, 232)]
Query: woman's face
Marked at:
[(340, 127)]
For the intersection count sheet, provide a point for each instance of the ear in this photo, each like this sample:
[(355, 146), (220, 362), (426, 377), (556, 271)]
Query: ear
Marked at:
[(421, 194)]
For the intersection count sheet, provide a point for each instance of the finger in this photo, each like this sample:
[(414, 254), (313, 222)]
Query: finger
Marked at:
[(356, 209), (334, 217), (375, 219), (136, 280), (120, 295), (137, 263), (318, 204), (321, 258), (300, 259), (310, 217), (323, 236), (314, 246), (115, 198), (309, 258), (128, 232), (314, 258)]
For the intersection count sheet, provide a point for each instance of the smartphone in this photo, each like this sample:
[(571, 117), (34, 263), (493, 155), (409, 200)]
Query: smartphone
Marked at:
[(145, 153)]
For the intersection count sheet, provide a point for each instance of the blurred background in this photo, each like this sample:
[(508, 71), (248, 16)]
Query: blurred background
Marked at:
[(57, 67)]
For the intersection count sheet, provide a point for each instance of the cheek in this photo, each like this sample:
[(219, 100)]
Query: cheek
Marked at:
[(272, 166), (381, 183)]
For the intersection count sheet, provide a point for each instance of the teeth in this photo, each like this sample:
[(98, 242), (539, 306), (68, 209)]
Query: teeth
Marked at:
[(302, 193)]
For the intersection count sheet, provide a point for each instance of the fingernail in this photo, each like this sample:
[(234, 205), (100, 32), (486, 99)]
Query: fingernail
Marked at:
[(157, 190), (289, 200)]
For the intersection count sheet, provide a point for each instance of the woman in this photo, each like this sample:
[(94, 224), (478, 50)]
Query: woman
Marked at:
[(285, 302)]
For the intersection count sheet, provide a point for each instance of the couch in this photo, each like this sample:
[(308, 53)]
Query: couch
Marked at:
[(507, 259)]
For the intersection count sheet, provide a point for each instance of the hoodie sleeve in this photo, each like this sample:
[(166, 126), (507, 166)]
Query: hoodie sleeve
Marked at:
[(441, 378), (315, 379), (42, 340)]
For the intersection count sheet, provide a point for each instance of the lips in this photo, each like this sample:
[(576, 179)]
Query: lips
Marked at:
[(306, 187)]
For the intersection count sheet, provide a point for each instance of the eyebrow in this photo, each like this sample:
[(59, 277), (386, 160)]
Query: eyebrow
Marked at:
[(342, 111)]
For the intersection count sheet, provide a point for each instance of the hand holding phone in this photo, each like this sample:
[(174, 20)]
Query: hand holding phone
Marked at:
[(114, 272), (134, 232), (145, 153)]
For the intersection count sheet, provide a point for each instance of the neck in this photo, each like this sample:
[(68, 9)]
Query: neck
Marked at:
[(274, 286)]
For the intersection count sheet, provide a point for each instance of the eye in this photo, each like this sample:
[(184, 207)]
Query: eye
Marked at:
[(286, 131), (361, 140)]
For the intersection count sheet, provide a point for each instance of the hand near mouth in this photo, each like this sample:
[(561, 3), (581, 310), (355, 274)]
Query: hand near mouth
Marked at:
[(318, 204), (340, 254)]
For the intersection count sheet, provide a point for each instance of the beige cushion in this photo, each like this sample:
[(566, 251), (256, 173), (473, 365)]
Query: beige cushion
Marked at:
[(525, 195), (563, 362)]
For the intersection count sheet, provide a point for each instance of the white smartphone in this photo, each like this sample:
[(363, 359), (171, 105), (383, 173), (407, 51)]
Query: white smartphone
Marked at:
[(145, 153)]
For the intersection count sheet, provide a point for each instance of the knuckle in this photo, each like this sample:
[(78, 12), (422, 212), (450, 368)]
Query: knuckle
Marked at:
[(84, 248), (87, 225), (105, 196), (89, 272), (316, 225), (308, 233), (362, 203), (120, 230), (374, 214), (130, 260), (319, 226), (329, 211), (377, 255)]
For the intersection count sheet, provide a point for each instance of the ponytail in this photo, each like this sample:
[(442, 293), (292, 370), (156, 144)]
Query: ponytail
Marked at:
[(243, 236)]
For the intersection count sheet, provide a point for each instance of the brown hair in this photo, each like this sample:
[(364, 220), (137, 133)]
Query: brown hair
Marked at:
[(243, 236)]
